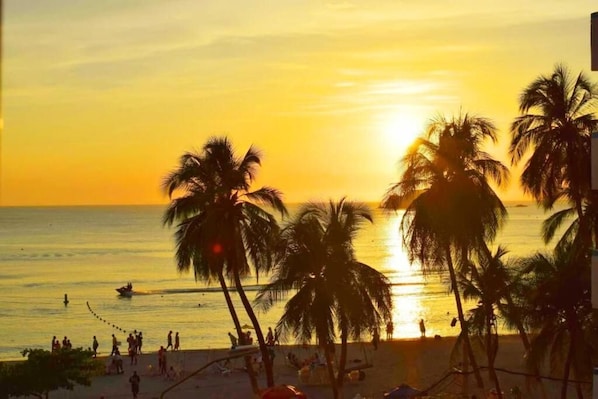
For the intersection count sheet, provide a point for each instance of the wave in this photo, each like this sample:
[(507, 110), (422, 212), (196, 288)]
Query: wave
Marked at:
[(80, 252), (247, 288)]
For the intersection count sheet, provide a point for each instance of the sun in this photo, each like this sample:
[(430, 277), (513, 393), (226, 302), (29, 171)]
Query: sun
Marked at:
[(400, 128)]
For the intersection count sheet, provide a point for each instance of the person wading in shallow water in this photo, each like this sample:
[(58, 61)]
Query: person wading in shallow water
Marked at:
[(422, 328)]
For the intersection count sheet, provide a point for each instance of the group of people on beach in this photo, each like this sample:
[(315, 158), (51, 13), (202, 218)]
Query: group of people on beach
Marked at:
[(376, 334), (134, 342), (247, 339), (177, 341), (56, 346), (272, 337)]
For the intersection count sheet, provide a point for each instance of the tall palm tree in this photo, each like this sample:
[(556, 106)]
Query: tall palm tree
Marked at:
[(456, 211), (334, 292), (556, 123), (221, 225), (559, 309)]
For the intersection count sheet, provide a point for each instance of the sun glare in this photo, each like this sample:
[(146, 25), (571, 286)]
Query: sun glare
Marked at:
[(400, 129)]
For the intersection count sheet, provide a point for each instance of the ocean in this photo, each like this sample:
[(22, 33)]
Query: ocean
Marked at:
[(86, 252)]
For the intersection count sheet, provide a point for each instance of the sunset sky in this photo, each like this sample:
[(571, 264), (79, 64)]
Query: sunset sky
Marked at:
[(100, 98)]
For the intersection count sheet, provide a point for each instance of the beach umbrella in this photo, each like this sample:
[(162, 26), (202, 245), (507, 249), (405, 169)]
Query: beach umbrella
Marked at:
[(282, 392), (403, 391), (246, 326)]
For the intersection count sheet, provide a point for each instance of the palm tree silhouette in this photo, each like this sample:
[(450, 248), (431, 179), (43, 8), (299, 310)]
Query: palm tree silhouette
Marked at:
[(560, 312), (334, 292), (221, 225), (452, 211)]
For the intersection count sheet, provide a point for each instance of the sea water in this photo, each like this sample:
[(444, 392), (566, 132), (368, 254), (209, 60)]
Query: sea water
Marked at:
[(85, 253)]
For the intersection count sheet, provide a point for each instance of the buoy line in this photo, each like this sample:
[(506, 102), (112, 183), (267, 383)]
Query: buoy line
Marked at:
[(97, 316)]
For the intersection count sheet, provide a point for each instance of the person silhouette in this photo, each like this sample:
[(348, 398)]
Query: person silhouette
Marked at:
[(135, 380), (422, 328), (169, 340), (95, 345)]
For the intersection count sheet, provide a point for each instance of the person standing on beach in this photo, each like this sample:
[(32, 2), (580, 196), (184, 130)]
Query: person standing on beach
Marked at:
[(53, 348), (389, 330), (95, 345), (139, 342), (131, 342), (177, 341), (270, 337), (169, 340), (135, 380), (133, 353), (375, 338), (422, 328), (114, 345), (118, 361), (161, 358)]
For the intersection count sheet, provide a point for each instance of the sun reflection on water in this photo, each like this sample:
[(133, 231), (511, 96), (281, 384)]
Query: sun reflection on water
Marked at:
[(407, 280)]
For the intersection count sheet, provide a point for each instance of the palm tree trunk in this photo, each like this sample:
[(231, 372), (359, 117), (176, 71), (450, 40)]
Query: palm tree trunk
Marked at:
[(491, 353), (574, 328), (462, 322), (566, 371), (342, 361), (268, 366), (336, 393), (235, 317), (526, 344), (258, 330)]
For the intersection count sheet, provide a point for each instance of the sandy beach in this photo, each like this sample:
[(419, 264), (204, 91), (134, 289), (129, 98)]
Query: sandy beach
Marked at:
[(418, 362)]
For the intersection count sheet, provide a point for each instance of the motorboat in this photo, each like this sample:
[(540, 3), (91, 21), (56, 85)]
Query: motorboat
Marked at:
[(125, 290)]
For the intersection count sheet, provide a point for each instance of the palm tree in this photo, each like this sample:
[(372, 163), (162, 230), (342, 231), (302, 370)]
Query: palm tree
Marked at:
[(221, 225), (456, 211), (559, 309), (557, 123), (334, 292), (489, 286)]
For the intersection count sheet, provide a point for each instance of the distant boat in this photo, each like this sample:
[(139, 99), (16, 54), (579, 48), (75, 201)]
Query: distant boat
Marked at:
[(125, 290)]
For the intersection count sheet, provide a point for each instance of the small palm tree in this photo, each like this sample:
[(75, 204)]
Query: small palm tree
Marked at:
[(489, 285), (221, 224), (452, 210), (334, 292)]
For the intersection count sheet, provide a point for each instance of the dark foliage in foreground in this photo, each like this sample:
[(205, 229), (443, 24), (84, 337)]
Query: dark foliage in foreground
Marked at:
[(45, 371)]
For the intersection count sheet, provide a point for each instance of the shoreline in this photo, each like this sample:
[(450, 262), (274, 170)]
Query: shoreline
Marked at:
[(418, 362)]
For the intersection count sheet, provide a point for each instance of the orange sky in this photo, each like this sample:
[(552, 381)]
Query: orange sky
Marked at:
[(101, 98)]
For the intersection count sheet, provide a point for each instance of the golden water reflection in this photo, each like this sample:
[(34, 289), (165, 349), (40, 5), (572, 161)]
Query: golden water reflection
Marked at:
[(408, 283)]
